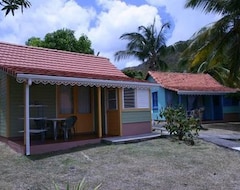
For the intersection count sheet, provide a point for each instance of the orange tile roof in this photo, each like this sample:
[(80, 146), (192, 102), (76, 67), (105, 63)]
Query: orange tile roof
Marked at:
[(188, 82), (18, 59)]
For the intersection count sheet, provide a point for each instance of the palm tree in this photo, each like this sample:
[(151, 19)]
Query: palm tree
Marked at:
[(12, 5), (217, 46), (147, 45)]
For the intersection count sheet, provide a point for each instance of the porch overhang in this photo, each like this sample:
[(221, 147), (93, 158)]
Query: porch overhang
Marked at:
[(59, 80)]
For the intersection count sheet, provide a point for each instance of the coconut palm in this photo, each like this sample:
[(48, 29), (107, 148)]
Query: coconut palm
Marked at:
[(147, 45), (12, 5), (217, 45)]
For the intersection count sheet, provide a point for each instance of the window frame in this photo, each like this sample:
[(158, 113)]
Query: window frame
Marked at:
[(155, 100), (138, 103), (112, 99), (134, 98)]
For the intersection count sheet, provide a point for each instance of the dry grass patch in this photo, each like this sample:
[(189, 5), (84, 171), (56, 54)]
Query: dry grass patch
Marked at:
[(155, 164)]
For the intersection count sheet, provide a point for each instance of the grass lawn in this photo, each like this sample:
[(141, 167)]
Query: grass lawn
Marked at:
[(155, 164)]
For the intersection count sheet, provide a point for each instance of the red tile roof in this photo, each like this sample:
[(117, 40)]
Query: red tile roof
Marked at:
[(17, 59), (188, 82)]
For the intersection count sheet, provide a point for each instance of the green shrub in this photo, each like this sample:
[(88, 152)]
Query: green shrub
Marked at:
[(178, 123)]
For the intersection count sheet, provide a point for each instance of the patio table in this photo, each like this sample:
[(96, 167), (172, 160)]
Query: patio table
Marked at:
[(55, 121)]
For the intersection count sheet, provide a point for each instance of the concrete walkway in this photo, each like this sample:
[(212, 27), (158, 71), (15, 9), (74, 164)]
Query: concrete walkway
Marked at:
[(222, 134)]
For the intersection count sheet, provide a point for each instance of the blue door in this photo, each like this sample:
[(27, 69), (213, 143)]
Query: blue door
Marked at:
[(217, 108)]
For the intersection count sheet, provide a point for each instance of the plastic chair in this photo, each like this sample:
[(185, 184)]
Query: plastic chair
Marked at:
[(41, 128), (68, 125)]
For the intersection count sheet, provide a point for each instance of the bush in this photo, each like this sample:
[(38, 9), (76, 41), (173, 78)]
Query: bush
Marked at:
[(180, 124)]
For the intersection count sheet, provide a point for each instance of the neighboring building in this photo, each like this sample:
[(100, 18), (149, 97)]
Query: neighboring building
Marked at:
[(193, 91), (45, 83)]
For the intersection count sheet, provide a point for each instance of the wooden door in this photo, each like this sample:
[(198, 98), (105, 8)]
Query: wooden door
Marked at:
[(84, 109), (78, 101), (113, 112)]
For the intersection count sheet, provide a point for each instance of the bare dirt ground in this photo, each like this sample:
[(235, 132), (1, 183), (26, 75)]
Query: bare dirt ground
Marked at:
[(161, 163)]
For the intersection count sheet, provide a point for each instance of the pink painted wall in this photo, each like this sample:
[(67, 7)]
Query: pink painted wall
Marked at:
[(136, 128)]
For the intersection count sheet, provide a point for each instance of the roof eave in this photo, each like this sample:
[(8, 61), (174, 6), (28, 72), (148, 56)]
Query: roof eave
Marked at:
[(59, 80), (185, 92)]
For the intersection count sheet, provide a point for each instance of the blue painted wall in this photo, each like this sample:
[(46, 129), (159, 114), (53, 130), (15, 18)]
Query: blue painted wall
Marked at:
[(216, 107), (161, 99)]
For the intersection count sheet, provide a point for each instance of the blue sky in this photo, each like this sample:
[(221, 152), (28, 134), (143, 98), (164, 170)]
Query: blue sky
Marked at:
[(103, 21)]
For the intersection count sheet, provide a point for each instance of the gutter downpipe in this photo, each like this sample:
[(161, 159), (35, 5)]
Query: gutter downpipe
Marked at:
[(27, 119)]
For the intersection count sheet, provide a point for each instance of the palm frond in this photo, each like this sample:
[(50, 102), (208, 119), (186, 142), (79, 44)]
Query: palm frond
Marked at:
[(146, 45), (208, 6)]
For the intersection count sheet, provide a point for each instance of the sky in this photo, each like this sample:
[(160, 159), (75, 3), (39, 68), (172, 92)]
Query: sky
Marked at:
[(103, 21)]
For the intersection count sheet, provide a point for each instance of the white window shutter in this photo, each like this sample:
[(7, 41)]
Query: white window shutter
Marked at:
[(142, 98)]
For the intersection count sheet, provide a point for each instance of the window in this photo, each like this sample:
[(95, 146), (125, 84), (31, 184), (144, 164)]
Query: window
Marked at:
[(135, 98), (142, 97), (155, 100), (129, 98), (66, 99), (112, 99), (84, 100)]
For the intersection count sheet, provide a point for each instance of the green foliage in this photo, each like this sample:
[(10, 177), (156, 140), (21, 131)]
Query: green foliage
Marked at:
[(84, 45), (133, 74), (215, 49), (147, 45), (180, 124), (63, 39), (33, 41), (12, 5), (80, 186)]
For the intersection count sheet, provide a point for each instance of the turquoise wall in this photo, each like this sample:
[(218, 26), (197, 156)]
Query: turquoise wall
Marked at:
[(3, 103), (136, 116), (16, 112), (161, 99), (231, 109), (39, 94)]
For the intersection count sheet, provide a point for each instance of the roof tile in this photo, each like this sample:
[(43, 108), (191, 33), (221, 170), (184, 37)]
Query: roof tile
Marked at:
[(188, 82), (17, 59)]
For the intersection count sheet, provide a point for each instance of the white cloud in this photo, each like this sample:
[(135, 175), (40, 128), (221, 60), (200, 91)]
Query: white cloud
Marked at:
[(187, 21), (103, 22), (116, 19), (43, 17)]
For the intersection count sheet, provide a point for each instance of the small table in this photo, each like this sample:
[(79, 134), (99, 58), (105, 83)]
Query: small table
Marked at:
[(55, 120)]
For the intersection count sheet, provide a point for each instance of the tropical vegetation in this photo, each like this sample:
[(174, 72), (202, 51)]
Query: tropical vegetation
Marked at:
[(63, 39), (147, 45), (134, 73), (215, 49), (179, 124), (12, 5)]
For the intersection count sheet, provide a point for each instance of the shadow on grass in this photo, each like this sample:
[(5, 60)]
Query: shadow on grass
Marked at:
[(85, 147), (61, 152)]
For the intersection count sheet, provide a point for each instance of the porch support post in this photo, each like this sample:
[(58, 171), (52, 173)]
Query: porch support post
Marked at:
[(99, 112), (120, 104), (26, 118)]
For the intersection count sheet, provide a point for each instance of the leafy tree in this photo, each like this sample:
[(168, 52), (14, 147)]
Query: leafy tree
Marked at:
[(63, 39), (34, 41), (133, 73), (12, 5), (84, 45), (147, 45), (216, 48)]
